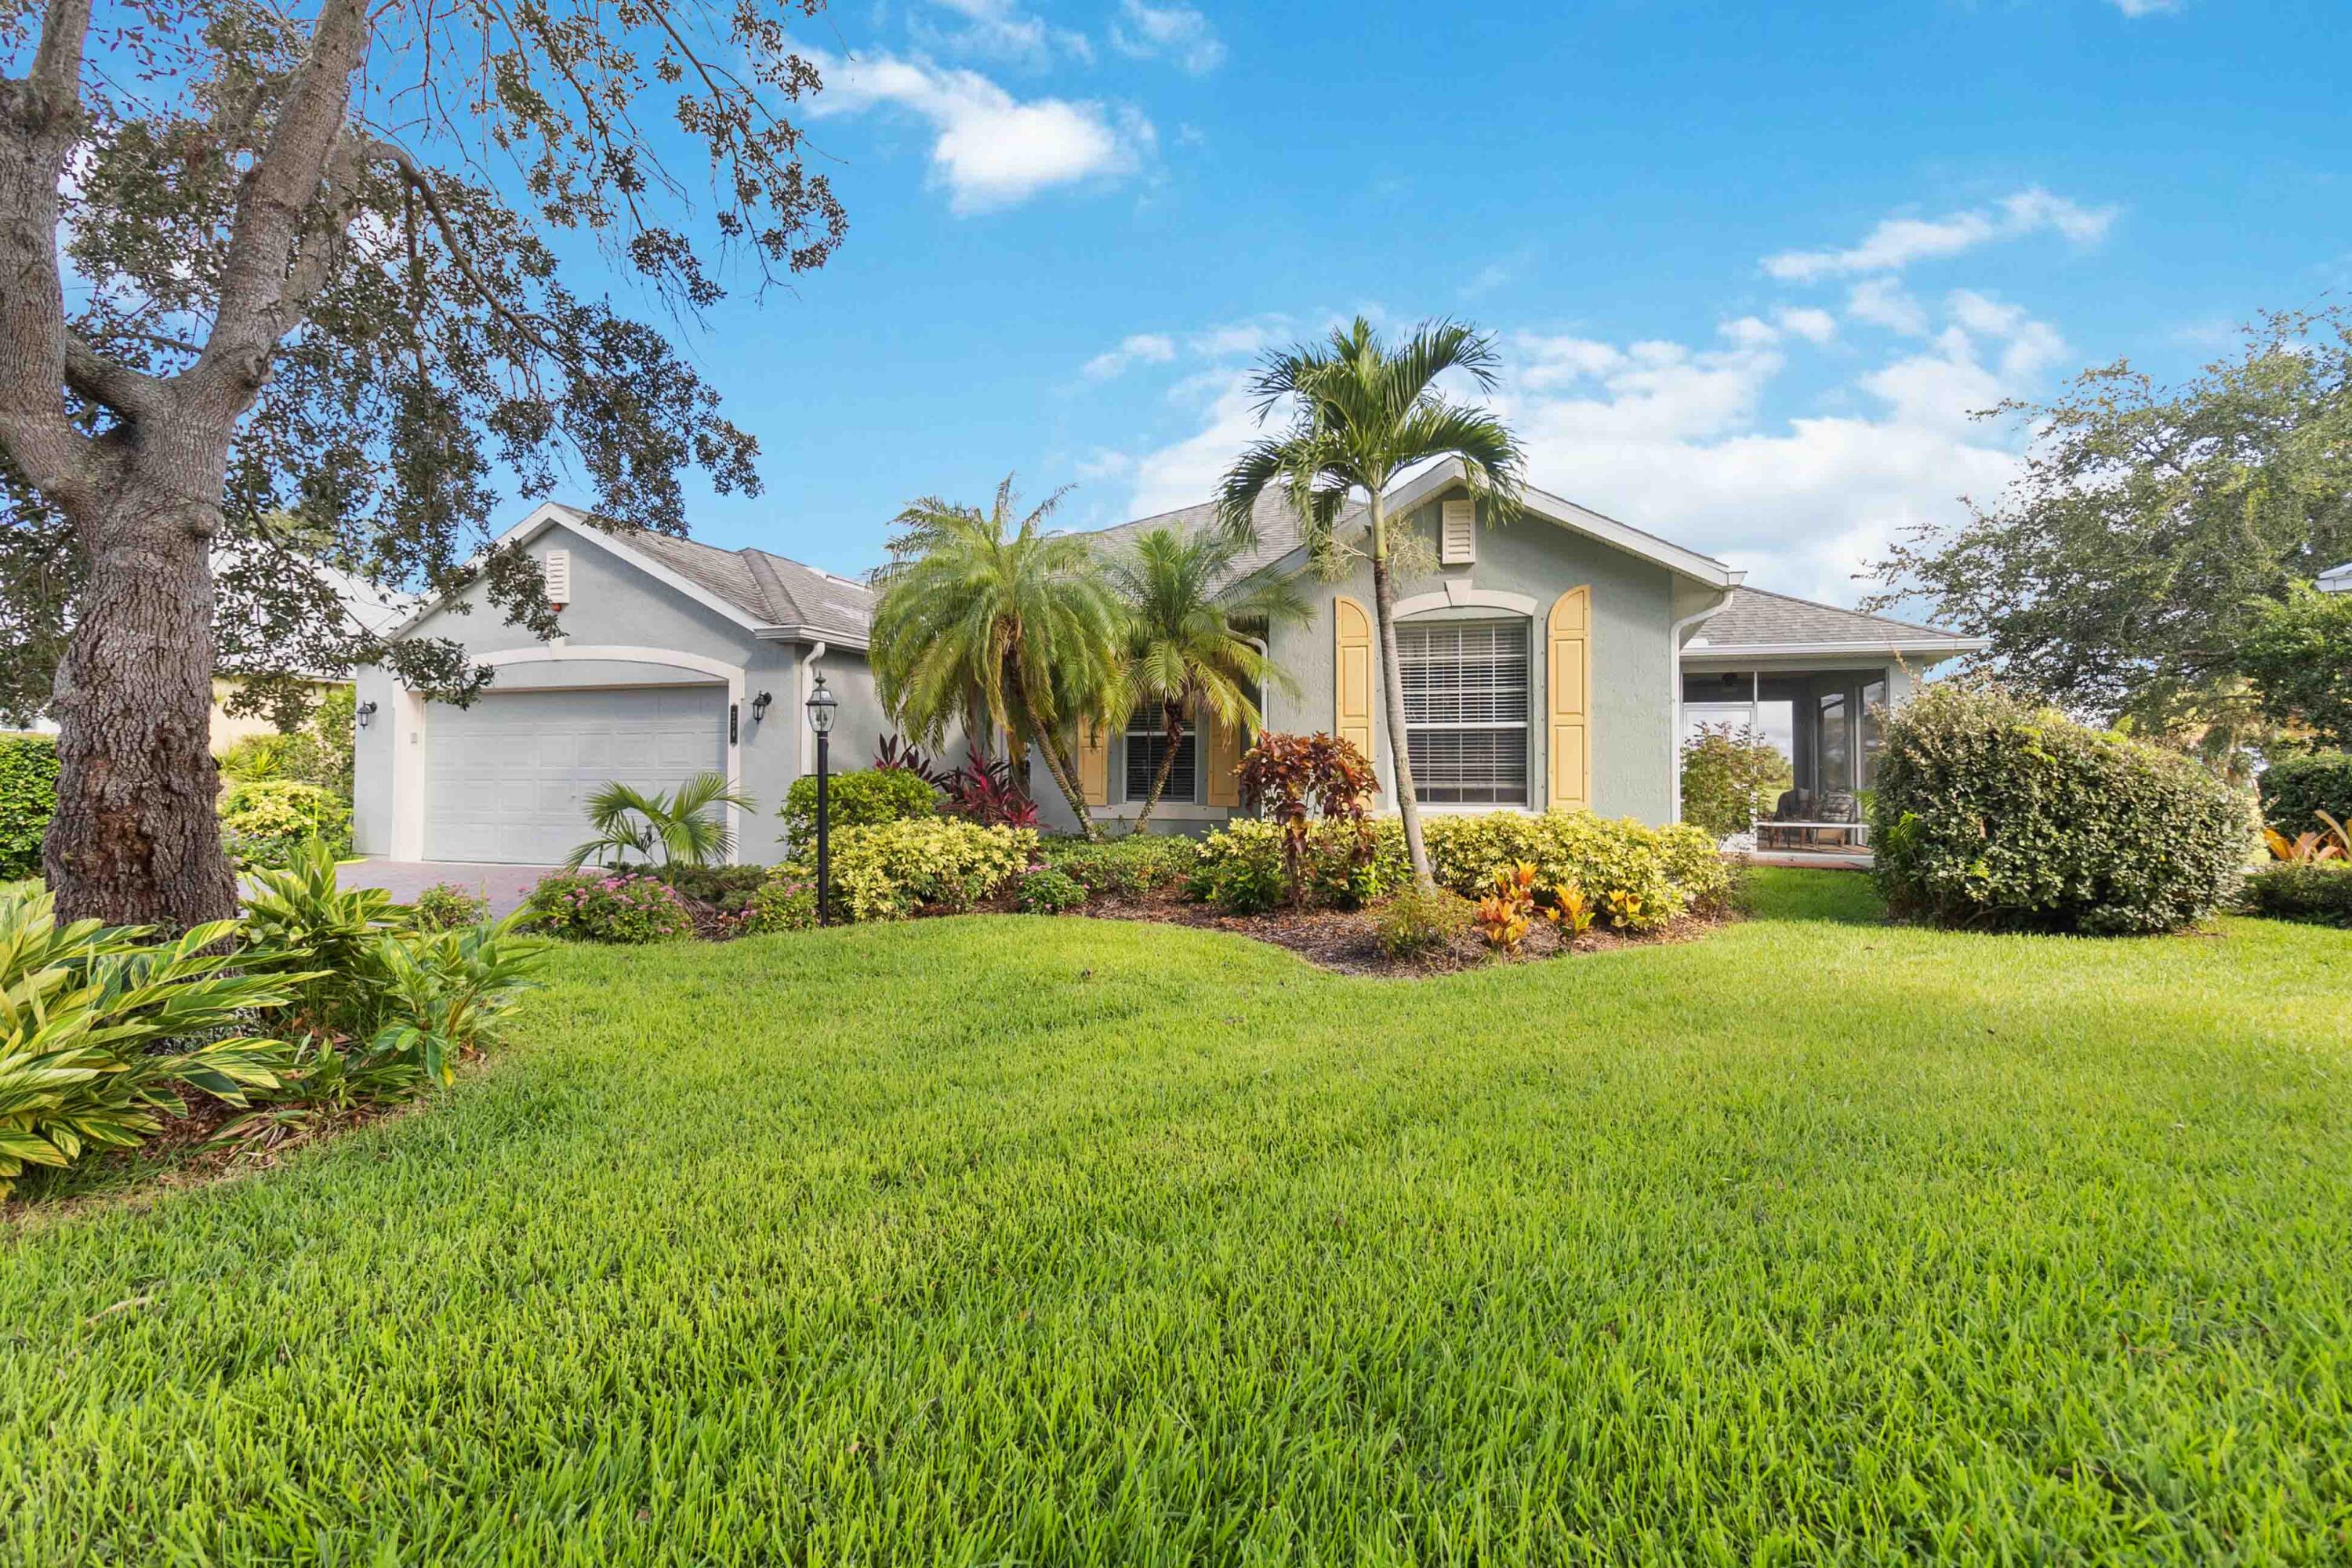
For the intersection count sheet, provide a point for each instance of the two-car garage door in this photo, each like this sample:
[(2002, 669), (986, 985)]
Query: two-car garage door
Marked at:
[(507, 779)]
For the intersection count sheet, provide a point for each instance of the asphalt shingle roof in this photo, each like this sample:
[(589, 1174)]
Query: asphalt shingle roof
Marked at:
[(771, 589), (1757, 617), (778, 591)]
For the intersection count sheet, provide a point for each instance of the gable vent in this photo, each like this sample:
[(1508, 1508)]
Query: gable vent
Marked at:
[(1457, 533), (557, 569)]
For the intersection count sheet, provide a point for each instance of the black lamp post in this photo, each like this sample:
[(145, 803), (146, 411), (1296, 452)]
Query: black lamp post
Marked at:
[(820, 705)]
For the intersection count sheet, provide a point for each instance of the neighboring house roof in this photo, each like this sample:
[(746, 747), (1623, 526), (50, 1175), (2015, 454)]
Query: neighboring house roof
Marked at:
[(1757, 621), (765, 593), (2336, 579)]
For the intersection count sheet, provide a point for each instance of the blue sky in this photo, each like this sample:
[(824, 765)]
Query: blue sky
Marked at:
[(1751, 265)]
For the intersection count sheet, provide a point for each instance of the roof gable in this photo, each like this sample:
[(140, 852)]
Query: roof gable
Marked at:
[(764, 593)]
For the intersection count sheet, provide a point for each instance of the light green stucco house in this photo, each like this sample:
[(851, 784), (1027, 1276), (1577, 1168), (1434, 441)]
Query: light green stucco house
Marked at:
[(1554, 662)]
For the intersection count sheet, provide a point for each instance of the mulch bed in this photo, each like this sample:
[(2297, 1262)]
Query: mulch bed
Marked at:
[(1345, 942)]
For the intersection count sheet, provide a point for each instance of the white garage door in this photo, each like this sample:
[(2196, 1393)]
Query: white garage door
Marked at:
[(509, 778)]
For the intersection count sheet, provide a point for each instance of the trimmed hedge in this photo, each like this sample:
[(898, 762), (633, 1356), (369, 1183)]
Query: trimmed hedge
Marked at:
[(866, 798), (28, 799), (2318, 893), (1993, 811), (2296, 790), (888, 871)]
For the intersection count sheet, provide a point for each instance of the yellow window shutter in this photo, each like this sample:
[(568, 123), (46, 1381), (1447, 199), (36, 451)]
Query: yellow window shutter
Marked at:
[(1569, 686), (1094, 763), (1351, 662), (1224, 764)]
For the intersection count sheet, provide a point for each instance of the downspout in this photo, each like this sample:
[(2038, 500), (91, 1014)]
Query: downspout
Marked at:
[(806, 749), (1674, 707)]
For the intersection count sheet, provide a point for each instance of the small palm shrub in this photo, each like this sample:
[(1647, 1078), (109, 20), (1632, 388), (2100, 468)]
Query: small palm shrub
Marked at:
[(624, 907), (99, 1031), (863, 799), (1417, 922), (445, 906), (1047, 891), (28, 799), (1994, 811), (888, 871), (684, 827), (2318, 892), (2296, 790), (1137, 864), (265, 822)]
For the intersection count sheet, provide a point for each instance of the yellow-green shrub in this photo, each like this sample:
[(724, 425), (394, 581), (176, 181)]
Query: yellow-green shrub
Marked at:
[(1662, 873), (1670, 871), (886, 871)]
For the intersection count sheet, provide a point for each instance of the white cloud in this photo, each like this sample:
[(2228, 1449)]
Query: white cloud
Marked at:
[(991, 150), (1897, 242), (2145, 7), (1000, 28), (1136, 348), (1880, 302), (1671, 437), (1814, 325), (1176, 33)]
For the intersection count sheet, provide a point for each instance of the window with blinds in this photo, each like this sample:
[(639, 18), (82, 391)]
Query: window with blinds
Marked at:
[(1147, 743), (1465, 709)]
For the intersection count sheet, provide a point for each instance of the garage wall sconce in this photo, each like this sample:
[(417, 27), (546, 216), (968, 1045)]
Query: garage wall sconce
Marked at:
[(760, 705), (362, 714)]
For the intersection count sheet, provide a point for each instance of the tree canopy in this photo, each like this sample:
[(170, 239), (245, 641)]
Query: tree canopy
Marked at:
[(279, 286), (2151, 530)]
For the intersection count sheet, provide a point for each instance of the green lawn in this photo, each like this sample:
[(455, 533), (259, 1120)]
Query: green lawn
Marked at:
[(1003, 1240)]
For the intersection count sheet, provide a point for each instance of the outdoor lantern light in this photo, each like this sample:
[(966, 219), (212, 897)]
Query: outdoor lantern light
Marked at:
[(820, 705), (363, 713), (760, 705)]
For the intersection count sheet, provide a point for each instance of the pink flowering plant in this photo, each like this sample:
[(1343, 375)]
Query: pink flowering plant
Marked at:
[(610, 906)]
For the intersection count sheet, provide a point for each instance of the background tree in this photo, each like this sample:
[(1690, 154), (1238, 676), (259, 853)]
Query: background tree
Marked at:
[(1189, 645), (1731, 777), (309, 279), (1361, 413), (2123, 572), (995, 625), (2298, 656)]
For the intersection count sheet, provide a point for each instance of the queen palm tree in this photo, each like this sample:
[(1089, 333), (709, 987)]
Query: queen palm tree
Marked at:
[(996, 625), (1188, 648), (1361, 413)]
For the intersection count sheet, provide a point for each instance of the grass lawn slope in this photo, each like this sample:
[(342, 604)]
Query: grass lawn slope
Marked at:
[(1011, 1239)]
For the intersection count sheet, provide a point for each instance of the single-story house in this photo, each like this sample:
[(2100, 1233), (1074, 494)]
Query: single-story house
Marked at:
[(1554, 662)]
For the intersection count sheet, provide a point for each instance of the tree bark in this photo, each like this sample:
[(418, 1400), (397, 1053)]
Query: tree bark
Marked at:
[(136, 838), (1166, 767), (1392, 697)]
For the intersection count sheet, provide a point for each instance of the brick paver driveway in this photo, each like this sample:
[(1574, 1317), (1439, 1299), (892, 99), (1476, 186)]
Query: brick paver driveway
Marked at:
[(505, 886)]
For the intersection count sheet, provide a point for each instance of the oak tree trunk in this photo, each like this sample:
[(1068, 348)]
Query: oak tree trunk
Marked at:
[(136, 839)]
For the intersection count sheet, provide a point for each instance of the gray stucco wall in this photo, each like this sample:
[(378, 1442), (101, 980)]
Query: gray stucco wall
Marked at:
[(1631, 671), (614, 604)]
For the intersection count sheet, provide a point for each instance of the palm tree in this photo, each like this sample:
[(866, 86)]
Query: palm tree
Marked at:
[(681, 826), (1361, 413), (1186, 648), (996, 626)]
